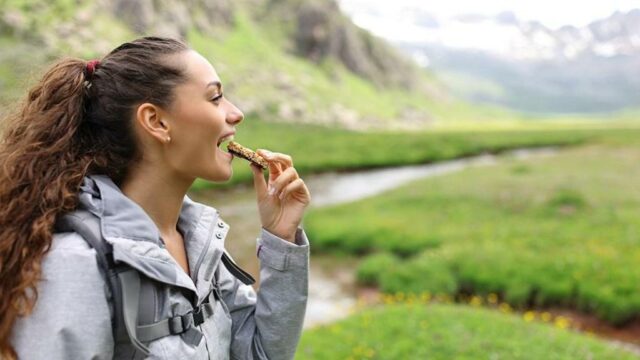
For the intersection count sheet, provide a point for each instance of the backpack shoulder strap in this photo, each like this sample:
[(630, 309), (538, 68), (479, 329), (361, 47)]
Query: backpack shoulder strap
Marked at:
[(87, 225), (124, 286)]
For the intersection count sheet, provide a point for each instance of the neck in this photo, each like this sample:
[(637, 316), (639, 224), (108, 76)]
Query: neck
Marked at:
[(159, 192)]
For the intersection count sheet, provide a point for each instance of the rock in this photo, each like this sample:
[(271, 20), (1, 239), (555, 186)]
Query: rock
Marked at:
[(344, 116), (314, 28), (293, 111), (13, 21), (213, 13), (173, 18), (137, 14), (324, 32)]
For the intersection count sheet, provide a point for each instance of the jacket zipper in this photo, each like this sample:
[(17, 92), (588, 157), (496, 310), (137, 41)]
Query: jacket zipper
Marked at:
[(204, 252)]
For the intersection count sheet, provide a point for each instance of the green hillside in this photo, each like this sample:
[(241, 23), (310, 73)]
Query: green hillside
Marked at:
[(270, 68)]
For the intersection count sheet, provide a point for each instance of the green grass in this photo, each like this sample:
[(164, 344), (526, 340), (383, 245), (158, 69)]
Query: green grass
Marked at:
[(446, 332), (37, 43), (557, 231)]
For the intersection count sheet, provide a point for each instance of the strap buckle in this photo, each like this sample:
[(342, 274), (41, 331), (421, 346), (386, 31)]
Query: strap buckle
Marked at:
[(175, 325), (182, 323), (198, 316)]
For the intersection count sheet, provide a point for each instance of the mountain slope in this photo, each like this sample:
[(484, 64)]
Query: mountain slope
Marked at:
[(281, 60)]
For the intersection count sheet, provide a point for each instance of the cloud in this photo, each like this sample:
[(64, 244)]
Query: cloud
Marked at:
[(553, 13)]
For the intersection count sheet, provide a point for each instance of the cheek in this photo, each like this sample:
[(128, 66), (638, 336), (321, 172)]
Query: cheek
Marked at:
[(199, 123), (198, 126), (197, 144)]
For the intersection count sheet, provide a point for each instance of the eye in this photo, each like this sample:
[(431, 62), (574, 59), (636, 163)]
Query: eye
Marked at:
[(216, 99)]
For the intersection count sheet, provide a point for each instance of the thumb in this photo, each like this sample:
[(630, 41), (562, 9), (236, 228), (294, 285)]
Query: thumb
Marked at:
[(258, 181)]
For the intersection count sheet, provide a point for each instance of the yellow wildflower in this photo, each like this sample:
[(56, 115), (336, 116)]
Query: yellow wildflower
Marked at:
[(388, 299), (561, 322), (476, 301), (529, 316), (492, 299)]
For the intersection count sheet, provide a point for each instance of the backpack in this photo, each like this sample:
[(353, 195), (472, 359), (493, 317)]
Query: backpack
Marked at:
[(124, 284)]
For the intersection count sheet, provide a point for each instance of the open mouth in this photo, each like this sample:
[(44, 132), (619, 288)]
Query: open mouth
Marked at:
[(223, 141)]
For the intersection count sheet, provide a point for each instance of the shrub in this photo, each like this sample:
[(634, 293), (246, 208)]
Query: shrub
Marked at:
[(371, 268)]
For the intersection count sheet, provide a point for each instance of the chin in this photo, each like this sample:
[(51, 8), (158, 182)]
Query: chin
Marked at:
[(228, 177), (220, 176)]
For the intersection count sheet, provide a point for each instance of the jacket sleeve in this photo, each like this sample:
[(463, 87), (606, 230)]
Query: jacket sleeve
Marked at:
[(71, 318), (268, 325)]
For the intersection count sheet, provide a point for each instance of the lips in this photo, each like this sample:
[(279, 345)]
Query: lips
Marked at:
[(225, 138)]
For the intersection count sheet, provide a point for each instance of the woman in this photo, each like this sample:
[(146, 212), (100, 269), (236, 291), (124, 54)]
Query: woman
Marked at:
[(123, 139)]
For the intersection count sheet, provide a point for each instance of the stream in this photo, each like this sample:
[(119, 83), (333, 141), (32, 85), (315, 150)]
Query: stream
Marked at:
[(332, 291)]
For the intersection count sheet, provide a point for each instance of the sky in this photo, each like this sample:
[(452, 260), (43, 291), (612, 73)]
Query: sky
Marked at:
[(552, 13)]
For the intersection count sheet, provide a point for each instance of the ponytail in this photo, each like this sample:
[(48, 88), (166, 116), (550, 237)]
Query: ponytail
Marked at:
[(39, 178), (76, 121)]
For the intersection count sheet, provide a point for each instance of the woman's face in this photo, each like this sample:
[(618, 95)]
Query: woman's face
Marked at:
[(200, 118)]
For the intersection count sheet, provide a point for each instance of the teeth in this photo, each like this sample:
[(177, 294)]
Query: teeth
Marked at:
[(225, 139)]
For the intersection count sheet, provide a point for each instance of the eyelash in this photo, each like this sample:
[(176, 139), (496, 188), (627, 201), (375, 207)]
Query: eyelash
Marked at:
[(216, 98)]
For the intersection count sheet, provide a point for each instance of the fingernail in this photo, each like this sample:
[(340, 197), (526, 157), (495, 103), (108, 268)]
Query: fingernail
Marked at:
[(267, 154), (271, 190)]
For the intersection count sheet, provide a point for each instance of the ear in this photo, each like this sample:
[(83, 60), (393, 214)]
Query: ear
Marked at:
[(152, 122)]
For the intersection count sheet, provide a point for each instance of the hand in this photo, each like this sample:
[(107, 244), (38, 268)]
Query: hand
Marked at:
[(281, 202)]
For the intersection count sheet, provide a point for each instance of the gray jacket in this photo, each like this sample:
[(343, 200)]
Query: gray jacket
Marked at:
[(72, 316)]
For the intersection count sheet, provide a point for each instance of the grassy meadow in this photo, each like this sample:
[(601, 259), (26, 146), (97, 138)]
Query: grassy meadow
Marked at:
[(545, 232), (419, 330), (558, 231), (561, 230)]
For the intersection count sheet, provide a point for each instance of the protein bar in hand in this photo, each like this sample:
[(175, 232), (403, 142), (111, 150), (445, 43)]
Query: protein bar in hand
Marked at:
[(246, 153)]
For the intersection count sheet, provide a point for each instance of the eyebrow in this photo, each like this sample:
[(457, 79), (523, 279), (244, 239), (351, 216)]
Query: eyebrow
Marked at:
[(217, 84)]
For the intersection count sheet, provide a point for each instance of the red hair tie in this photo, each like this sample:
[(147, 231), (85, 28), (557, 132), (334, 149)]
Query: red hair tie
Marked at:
[(91, 67)]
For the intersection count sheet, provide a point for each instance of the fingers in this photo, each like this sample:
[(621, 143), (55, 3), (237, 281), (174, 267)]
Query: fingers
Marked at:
[(283, 177), (282, 181), (297, 185), (283, 159), (277, 162), (258, 181)]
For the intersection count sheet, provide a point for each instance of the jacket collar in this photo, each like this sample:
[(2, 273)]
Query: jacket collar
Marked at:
[(136, 239), (124, 218)]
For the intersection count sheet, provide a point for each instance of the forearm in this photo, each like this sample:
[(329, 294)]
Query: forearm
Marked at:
[(282, 298)]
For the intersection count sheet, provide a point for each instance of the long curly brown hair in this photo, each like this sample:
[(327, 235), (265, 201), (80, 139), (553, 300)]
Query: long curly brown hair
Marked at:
[(73, 123)]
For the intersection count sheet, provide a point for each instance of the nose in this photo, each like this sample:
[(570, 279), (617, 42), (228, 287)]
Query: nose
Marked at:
[(234, 115)]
